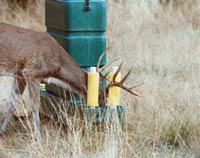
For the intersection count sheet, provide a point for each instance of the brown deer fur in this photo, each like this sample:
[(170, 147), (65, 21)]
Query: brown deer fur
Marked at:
[(30, 57)]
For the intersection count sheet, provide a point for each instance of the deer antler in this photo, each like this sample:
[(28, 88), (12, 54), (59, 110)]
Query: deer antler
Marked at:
[(112, 83), (106, 65), (121, 83)]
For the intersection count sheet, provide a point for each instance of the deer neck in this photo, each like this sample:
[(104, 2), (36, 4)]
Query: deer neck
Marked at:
[(72, 74)]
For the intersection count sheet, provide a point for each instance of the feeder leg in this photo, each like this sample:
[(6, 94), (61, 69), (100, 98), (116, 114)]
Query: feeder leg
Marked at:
[(121, 115)]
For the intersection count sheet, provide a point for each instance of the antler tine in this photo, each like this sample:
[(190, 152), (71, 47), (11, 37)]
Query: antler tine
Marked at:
[(118, 84), (104, 76), (118, 71), (126, 76), (109, 63), (100, 58), (130, 91), (135, 86)]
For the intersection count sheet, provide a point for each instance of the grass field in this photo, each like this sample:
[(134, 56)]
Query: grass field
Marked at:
[(161, 43)]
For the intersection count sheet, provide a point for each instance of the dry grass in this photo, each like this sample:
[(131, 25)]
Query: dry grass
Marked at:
[(162, 45)]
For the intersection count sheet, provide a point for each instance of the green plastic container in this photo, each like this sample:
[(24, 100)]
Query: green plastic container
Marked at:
[(71, 15), (79, 30), (84, 47)]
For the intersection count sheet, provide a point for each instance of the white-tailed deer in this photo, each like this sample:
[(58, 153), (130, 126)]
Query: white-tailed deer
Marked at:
[(32, 57)]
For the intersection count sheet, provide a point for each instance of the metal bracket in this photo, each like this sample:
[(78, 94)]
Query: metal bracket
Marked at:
[(87, 5)]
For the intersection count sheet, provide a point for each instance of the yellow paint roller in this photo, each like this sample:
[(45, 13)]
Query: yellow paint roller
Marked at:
[(114, 92), (93, 88)]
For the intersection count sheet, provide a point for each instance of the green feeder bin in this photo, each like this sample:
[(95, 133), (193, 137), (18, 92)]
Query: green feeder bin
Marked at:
[(79, 26)]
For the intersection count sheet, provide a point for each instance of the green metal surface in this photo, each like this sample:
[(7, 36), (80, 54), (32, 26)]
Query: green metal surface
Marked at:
[(70, 15)]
